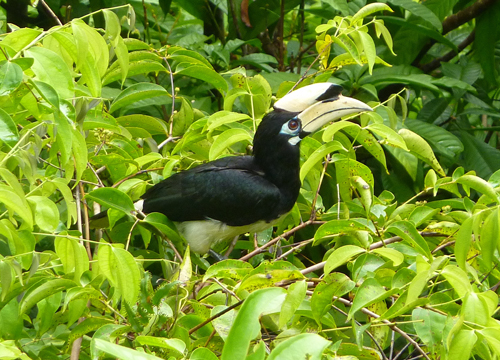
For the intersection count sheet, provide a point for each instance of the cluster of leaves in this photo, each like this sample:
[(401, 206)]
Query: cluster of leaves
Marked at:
[(399, 251)]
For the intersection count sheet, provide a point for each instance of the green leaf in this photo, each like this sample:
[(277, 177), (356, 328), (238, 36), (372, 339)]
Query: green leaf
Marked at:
[(421, 11), (202, 353), (45, 211), (246, 326), (479, 156), (205, 74), (340, 256), (480, 185), (36, 293), (333, 284), (395, 256), (112, 198), (232, 269), (226, 139), (409, 234), (370, 292), (162, 223), (79, 150), (462, 344), (430, 327), (369, 49), (11, 76), (421, 149), (224, 117), (151, 124), (134, 68), (489, 237), (318, 155), (14, 203), (8, 129), (302, 346), (458, 279), (294, 297), (50, 68), (389, 135), (135, 93), (73, 256), (121, 352), (64, 138), (368, 10), (463, 242), (341, 226), (173, 344)]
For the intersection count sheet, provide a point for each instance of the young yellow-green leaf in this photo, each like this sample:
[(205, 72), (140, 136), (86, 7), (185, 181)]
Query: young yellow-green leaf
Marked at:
[(16, 204), (8, 129), (73, 256), (369, 142), (318, 155), (364, 190), (294, 297), (458, 279), (121, 352), (462, 344), (202, 353), (348, 45), (246, 326), (368, 10), (368, 48), (480, 185), (205, 74), (50, 68), (302, 346), (134, 68), (463, 242), (173, 344), (430, 327), (232, 269), (6, 278), (224, 117), (226, 139), (392, 254), (340, 256), (79, 150), (45, 211), (112, 198), (11, 76), (63, 138), (421, 149), (333, 284), (490, 237), (135, 93), (153, 125), (163, 224), (389, 135)]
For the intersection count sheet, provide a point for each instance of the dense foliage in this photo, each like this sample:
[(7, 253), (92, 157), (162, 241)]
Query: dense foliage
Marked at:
[(391, 251)]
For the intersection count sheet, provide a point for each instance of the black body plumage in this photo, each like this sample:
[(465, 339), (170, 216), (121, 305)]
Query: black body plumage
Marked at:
[(235, 190)]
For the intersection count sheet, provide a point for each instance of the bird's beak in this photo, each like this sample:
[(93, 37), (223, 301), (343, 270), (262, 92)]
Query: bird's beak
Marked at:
[(321, 113)]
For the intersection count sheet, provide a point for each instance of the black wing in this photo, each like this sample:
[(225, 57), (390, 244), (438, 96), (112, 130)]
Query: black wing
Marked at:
[(232, 190)]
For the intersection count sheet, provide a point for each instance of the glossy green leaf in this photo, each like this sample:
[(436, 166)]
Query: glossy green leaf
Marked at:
[(205, 74), (294, 297), (340, 256), (11, 76), (341, 226), (333, 284), (318, 155), (45, 212), (73, 256), (173, 344), (37, 293), (395, 256), (121, 352), (463, 242), (202, 353), (16, 204), (162, 223), (233, 269), (369, 293), (302, 346), (389, 135), (246, 326), (8, 129), (480, 185), (370, 9), (224, 117), (421, 149), (137, 92), (462, 344), (419, 10), (112, 198), (458, 279), (410, 235), (225, 140), (489, 237)]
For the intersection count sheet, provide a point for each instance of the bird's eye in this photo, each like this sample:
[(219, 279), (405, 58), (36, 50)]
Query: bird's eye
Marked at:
[(293, 124)]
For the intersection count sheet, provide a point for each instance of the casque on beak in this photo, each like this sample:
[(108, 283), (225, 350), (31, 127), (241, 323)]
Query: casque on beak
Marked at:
[(318, 104)]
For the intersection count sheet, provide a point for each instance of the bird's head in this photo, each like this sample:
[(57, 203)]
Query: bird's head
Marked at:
[(303, 112)]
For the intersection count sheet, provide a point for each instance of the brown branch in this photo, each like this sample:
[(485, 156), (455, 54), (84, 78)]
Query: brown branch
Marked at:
[(376, 245), (434, 64), (51, 13), (134, 175), (278, 238), (454, 21)]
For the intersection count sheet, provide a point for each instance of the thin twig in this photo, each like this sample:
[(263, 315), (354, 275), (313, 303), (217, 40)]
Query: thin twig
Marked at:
[(211, 318), (293, 249), (51, 13), (134, 175)]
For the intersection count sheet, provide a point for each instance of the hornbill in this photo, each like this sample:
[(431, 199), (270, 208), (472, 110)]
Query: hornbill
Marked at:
[(234, 195)]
